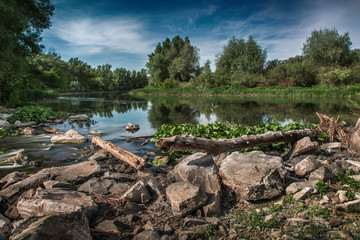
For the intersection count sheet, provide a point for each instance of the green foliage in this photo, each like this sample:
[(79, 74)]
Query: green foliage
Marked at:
[(211, 232), (321, 187), (350, 195), (336, 77), (276, 208), (176, 59), (317, 211), (35, 113), (256, 219), (326, 47), (346, 180)]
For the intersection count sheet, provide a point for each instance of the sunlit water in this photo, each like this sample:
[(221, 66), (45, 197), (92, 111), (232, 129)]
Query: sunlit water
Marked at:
[(110, 112)]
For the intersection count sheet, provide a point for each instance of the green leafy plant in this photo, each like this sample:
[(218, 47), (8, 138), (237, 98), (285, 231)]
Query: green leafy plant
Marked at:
[(256, 219), (321, 187), (346, 180), (350, 195), (276, 208), (35, 113), (318, 211), (211, 232)]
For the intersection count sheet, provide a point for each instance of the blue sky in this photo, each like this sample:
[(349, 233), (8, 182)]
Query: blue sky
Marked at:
[(123, 33)]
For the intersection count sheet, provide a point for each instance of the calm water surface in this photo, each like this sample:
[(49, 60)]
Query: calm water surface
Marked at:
[(110, 112)]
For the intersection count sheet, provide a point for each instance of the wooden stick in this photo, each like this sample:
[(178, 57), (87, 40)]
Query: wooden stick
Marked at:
[(121, 154), (215, 147), (139, 137)]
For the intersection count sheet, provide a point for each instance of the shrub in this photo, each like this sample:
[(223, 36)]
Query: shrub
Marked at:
[(35, 113)]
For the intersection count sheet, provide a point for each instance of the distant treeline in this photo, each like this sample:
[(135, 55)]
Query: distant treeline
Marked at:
[(27, 74)]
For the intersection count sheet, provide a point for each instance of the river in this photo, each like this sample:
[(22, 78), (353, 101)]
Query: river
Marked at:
[(110, 112)]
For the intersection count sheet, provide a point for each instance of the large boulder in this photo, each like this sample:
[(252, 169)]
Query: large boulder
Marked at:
[(304, 146), (65, 226), (70, 136), (254, 175), (200, 169), (55, 201), (185, 197)]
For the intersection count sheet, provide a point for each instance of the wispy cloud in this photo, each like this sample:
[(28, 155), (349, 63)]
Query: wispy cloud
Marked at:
[(126, 35)]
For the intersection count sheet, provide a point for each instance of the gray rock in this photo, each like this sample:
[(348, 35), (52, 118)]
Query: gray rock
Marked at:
[(147, 235), (55, 201), (99, 155), (52, 184), (4, 124), (4, 225), (305, 166), (76, 173), (79, 117), (70, 136), (114, 226), (336, 168), (350, 207), (68, 226), (322, 173), (304, 146), (120, 177), (298, 186), (200, 170), (298, 222), (25, 124), (137, 193), (303, 193), (132, 126), (354, 143), (341, 194), (156, 188), (331, 147), (95, 133), (254, 175), (185, 197), (12, 178), (103, 187)]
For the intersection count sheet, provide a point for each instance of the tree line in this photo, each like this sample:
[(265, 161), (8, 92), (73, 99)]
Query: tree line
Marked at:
[(27, 73)]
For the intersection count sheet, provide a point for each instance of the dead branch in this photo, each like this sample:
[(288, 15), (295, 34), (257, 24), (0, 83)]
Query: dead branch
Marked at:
[(215, 147), (121, 154), (139, 137)]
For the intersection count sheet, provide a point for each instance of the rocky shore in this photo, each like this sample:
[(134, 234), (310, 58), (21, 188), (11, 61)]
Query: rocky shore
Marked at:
[(309, 192)]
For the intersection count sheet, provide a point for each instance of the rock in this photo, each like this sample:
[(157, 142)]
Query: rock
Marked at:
[(254, 175), (354, 164), (76, 173), (18, 158), (354, 143), (298, 222), (322, 173), (114, 226), (68, 226), (70, 136), (147, 235), (304, 146), (185, 197), (29, 131), (335, 222), (4, 124), (99, 155), (52, 184), (331, 147), (55, 201), (103, 187), (303, 193), (79, 117), (4, 225), (200, 169), (120, 177), (12, 178), (297, 186), (95, 133), (137, 193), (336, 168), (355, 177), (350, 207), (305, 166), (5, 116), (156, 188), (341, 194), (25, 124), (132, 126)]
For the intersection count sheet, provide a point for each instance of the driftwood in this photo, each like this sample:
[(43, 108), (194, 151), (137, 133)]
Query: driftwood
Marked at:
[(215, 147), (139, 137), (131, 159)]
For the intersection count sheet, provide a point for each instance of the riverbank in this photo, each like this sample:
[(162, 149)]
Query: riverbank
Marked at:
[(321, 91)]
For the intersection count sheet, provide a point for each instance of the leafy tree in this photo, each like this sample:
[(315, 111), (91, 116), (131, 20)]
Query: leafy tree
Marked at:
[(176, 59), (21, 24), (104, 77), (326, 47)]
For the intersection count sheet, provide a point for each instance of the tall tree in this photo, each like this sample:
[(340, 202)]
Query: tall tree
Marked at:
[(21, 24), (176, 59), (326, 47)]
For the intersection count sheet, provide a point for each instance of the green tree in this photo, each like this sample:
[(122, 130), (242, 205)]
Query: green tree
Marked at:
[(21, 24), (326, 47), (176, 59), (104, 77)]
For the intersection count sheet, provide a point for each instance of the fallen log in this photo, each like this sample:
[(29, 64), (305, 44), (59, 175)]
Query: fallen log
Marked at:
[(139, 137), (121, 154), (215, 147)]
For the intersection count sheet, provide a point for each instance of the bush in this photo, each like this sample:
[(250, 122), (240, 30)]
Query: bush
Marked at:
[(336, 77), (249, 80), (35, 113)]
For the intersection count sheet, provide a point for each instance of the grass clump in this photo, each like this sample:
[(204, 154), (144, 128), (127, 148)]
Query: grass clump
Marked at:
[(29, 113), (211, 233), (321, 187)]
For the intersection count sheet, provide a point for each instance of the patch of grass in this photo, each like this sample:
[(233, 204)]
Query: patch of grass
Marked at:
[(350, 195), (318, 211), (255, 219), (346, 180), (276, 208), (211, 232)]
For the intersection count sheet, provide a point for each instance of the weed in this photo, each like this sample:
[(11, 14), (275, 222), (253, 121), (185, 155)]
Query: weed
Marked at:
[(211, 232), (321, 187), (346, 180), (289, 199), (276, 208), (255, 219), (351, 172), (350, 195), (318, 211)]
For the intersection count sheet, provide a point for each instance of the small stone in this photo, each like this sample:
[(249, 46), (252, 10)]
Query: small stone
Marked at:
[(298, 222), (335, 222), (304, 146), (137, 193), (70, 136), (132, 126), (322, 173), (95, 133), (305, 166), (302, 194), (350, 207), (29, 131), (341, 194), (79, 117), (147, 235), (297, 186)]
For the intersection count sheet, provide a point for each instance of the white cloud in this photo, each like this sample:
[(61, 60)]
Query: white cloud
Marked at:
[(105, 34)]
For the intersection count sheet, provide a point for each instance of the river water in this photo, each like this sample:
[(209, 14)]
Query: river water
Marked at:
[(110, 112)]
